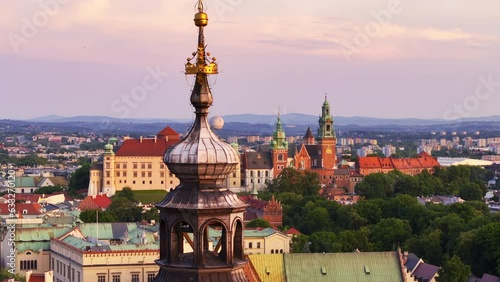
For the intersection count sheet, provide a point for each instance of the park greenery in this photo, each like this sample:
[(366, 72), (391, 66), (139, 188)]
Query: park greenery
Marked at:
[(458, 237), (123, 208)]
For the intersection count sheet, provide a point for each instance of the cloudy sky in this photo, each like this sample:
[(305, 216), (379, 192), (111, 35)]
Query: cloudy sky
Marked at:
[(378, 58)]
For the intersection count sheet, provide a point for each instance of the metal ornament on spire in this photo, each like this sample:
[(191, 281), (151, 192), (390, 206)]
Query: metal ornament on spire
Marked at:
[(204, 63)]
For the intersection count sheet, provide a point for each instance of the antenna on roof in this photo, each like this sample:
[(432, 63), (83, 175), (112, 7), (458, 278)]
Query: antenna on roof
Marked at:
[(97, 231)]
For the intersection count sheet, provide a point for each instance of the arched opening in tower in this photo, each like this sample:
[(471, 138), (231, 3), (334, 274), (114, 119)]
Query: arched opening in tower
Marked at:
[(214, 244), (163, 240), (238, 241), (182, 244)]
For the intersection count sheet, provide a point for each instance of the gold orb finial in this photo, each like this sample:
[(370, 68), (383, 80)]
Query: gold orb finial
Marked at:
[(200, 18)]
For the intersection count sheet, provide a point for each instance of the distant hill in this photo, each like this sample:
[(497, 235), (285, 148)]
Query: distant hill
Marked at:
[(105, 119), (287, 119)]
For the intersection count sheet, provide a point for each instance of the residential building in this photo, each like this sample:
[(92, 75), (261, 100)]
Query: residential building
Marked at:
[(411, 166)]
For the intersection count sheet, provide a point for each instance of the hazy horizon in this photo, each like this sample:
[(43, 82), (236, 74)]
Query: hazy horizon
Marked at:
[(420, 59)]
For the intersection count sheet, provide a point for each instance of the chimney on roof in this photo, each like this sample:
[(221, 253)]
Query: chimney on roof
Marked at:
[(140, 139), (166, 138), (156, 137)]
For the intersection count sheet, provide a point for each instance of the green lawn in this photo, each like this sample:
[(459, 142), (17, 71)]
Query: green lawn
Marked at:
[(150, 196)]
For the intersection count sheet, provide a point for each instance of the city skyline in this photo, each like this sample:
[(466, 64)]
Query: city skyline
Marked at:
[(69, 58)]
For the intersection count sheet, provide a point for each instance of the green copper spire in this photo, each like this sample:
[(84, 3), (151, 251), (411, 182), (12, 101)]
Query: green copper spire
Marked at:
[(325, 129), (279, 141)]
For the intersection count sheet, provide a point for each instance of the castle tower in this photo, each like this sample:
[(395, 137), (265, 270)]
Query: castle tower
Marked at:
[(108, 185), (326, 137), (279, 148), (201, 207)]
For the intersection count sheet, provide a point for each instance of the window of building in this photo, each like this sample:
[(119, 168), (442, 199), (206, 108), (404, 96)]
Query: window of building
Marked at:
[(162, 174), (171, 182), (250, 245), (108, 165), (124, 166), (151, 277), (162, 182), (150, 166), (135, 173), (78, 276), (280, 157), (162, 166), (52, 266), (267, 173), (133, 181), (258, 245), (135, 277), (143, 166), (118, 174), (150, 174), (150, 181), (143, 182), (124, 174), (170, 174), (143, 174), (72, 274), (134, 165), (107, 182), (116, 278), (234, 182), (101, 278), (251, 173), (117, 165), (234, 174), (108, 174), (29, 264)]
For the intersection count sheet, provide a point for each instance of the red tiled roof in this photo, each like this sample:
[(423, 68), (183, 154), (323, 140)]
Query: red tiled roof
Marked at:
[(146, 147), (293, 231), (102, 201), (428, 162), (168, 131), (31, 209), (37, 278), (24, 197), (95, 202), (369, 162)]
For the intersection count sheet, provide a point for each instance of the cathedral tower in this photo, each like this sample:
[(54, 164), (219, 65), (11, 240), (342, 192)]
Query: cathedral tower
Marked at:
[(201, 208), (279, 148), (326, 137)]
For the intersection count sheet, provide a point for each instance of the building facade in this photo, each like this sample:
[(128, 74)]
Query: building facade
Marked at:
[(137, 164)]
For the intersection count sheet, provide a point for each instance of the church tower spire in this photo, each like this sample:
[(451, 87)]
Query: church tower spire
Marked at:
[(201, 204), (325, 129), (279, 138), (326, 137), (279, 148)]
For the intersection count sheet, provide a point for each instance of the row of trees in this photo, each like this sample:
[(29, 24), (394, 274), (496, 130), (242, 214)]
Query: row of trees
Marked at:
[(461, 237), (123, 208), (468, 182)]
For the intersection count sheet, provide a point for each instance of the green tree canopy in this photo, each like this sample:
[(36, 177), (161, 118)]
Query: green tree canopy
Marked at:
[(453, 270), (79, 179), (259, 222)]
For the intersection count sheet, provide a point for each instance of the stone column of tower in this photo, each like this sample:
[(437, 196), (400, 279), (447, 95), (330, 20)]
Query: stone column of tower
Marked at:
[(326, 137), (108, 185), (279, 148), (201, 221)]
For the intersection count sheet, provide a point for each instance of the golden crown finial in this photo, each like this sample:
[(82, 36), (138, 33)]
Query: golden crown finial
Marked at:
[(204, 64)]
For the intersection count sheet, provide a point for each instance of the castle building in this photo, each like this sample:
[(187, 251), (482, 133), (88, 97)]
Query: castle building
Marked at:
[(137, 164), (410, 166), (316, 154), (201, 202)]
